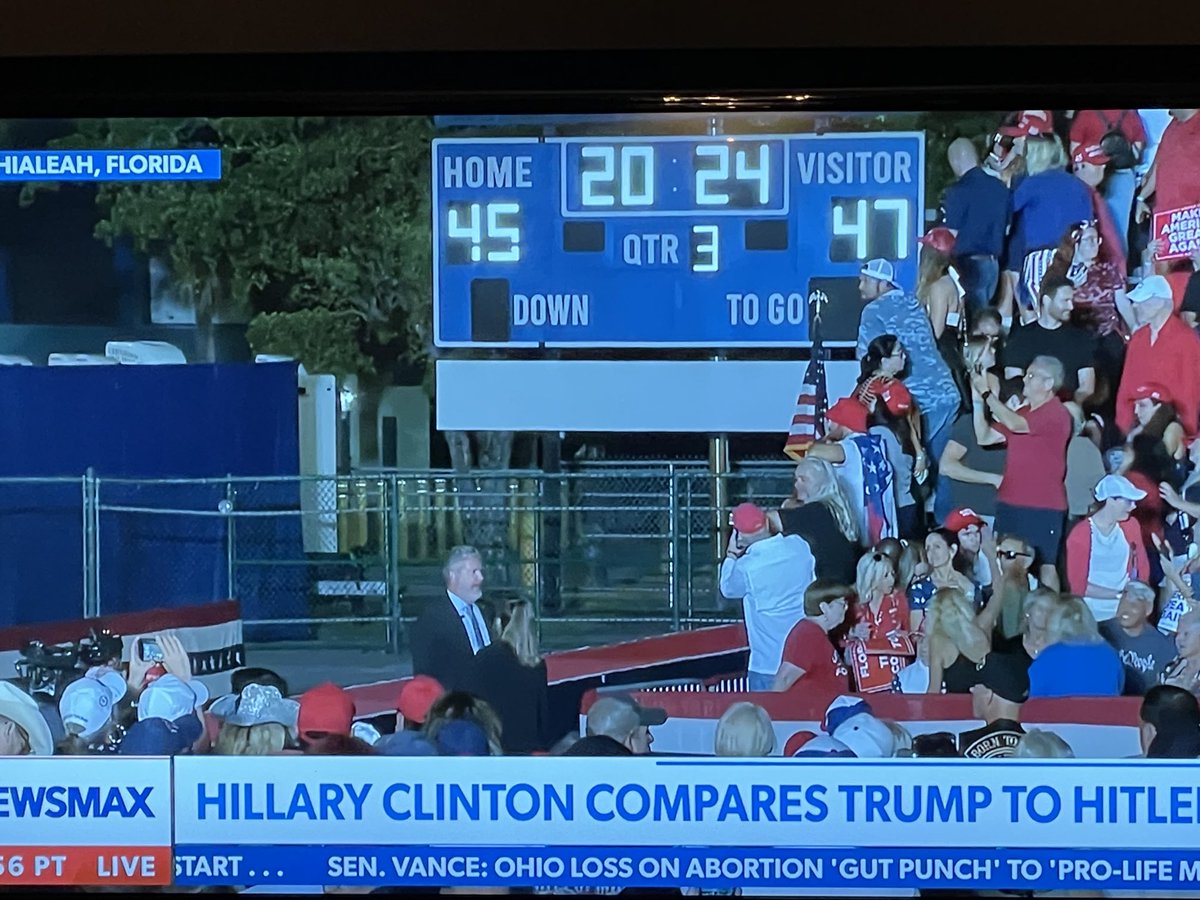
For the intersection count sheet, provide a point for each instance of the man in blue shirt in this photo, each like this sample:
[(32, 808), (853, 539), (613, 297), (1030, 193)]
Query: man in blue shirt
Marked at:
[(978, 209)]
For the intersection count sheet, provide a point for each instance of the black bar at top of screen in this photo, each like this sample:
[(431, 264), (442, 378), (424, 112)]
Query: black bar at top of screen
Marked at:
[(885, 79)]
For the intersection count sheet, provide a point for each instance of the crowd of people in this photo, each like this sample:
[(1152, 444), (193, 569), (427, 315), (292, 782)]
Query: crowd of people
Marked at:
[(1016, 474)]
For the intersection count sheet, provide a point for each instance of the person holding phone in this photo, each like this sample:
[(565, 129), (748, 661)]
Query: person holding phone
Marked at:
[(769, 574)]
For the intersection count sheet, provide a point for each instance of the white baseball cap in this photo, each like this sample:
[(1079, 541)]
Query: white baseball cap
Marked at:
[(1113, 487), (881, 269), (87, 703), (1151, 286), (170, 698)]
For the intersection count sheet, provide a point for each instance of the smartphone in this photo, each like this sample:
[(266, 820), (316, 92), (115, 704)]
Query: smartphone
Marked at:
[(149, 651)]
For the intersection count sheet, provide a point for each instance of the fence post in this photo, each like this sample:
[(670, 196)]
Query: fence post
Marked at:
[(673, 547), (89, 546), (391, 549), (230, 536)]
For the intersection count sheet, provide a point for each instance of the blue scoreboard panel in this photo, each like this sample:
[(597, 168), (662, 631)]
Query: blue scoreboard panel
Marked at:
[(666, 241)]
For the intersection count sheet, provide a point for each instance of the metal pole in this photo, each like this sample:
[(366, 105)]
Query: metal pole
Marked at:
[(718, 467), (537, 491), (673, 547), (89, 548), (688, 562), (390, 496), (230, 536)]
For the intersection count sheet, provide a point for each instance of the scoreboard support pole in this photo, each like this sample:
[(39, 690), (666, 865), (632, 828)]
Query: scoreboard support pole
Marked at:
[(718, 467)]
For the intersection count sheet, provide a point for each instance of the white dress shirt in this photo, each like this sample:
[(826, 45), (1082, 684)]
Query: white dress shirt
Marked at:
[(466, 609), (770, 578)]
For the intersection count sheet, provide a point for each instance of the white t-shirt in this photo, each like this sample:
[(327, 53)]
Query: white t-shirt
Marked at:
[(1108, 567), (770, 578)]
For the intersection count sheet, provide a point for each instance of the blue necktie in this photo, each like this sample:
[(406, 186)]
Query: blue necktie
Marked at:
[(475, 627)]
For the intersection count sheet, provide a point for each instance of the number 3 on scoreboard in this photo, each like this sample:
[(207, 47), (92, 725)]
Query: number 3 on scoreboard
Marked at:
[(706, 252)]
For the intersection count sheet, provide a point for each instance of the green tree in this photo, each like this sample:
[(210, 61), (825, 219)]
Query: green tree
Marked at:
[(310, 213)]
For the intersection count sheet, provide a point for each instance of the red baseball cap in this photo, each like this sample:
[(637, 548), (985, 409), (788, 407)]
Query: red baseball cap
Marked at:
[(1152, 390), (1032, 123), (940, 239), (326, 708), (418, 694), (796, 741), (896, 397), (849, 413), (962, 518), (1093, 155), (748, 518)]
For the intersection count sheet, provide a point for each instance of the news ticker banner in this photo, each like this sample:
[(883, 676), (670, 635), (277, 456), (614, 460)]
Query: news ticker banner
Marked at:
[(74, 820), (620, 822), (110, 165), (563, 822)]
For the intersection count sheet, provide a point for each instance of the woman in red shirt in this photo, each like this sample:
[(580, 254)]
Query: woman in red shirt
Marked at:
[(878, 647), (880, 609)]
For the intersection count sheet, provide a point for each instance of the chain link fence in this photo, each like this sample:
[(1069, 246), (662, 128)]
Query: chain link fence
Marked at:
[(605, 552)]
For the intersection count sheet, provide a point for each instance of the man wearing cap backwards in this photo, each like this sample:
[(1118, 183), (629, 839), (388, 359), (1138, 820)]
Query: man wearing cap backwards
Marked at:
[(1052, 334), (627, 722), (1162, 350), (769, 574), (978, 210), (861, 464), (1032, 499), (1105, 551), (890, 310), (1001, 686), (1143, 649)]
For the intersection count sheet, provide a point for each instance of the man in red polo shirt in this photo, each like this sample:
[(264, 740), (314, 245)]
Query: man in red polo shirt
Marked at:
[(1032, 499), (1162, 350)]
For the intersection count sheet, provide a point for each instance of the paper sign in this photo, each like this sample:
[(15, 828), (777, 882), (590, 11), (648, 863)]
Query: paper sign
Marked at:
[(1179, 232)]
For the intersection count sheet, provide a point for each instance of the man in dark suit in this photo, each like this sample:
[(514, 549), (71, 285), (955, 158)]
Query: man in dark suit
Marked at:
[(452, 629)]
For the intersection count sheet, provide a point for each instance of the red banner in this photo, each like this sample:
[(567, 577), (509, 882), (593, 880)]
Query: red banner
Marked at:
[(1179, 232), (85, 865)]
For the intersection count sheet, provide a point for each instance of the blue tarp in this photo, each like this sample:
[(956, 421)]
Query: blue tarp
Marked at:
[(145, 422)]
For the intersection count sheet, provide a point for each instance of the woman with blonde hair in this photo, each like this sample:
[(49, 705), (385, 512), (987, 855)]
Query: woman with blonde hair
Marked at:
[(819, 512), (262, 724), (957, 646), (744, 730), (878, 647), (1077, 661), (1047, 202), (510, 676)]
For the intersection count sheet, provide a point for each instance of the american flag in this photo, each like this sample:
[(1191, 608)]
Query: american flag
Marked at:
[(808, 421)]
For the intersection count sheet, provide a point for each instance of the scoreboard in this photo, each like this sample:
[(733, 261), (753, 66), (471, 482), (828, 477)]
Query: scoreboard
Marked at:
[(666, 241)]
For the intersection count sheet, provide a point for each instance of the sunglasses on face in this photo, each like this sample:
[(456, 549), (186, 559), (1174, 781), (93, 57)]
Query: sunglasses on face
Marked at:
[(1012, 554)]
